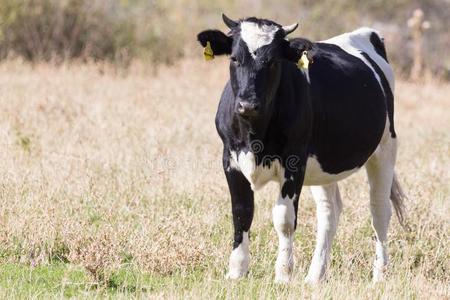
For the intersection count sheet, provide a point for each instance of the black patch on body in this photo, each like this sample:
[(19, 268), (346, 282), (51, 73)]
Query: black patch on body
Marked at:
[(349, 109), (388, 93), (378, 44)]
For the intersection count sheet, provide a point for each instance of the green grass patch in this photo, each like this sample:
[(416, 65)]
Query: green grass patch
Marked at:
[(21, 281), (61, 280)]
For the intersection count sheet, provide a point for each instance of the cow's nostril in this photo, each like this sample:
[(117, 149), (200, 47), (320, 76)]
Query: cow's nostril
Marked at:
[(241, 107), (245, 108)]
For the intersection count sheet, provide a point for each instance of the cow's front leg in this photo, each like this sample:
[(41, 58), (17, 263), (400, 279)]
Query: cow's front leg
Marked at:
[(242, 208), (285, 221)]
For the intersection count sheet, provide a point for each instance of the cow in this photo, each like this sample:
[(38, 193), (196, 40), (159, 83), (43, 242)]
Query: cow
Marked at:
[(308, 113)]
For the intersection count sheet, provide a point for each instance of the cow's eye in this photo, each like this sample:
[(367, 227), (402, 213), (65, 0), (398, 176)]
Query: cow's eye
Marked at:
[(234, 60)]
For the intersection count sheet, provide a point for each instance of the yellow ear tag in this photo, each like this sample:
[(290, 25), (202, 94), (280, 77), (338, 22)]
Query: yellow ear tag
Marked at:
[(303, 62), (208, 53)]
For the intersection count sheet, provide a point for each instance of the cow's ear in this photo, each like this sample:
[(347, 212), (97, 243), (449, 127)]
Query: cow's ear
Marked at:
[(291, 52), (218, 42), (299, 51)]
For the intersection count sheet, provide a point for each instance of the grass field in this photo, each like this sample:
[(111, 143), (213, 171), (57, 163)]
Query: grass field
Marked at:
[(111, 185)]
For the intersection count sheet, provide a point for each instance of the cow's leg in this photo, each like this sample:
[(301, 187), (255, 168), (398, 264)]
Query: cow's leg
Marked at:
[(329, 207), (242, 208), (284, 216), (380, 172)]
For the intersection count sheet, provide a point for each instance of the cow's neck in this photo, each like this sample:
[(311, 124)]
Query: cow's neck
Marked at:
[(246, 132)]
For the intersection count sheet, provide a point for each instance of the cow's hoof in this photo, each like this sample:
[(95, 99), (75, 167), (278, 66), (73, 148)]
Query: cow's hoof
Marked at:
[(379, 271), (282, 278), (235, 275), (284, 267), (378, 275), (313, 280)]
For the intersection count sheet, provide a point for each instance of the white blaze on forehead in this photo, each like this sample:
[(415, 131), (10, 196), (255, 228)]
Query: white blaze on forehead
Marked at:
[(256, 36)]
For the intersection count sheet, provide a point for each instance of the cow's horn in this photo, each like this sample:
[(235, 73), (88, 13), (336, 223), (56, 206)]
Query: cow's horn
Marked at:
[(230, 23), (290, 28)]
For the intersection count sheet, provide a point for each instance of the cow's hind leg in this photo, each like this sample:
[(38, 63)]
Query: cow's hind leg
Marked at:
[(329, 207), (380, 172)]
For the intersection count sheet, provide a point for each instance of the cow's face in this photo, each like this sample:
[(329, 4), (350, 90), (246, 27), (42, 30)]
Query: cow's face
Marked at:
[(256, 48), (255, 66)]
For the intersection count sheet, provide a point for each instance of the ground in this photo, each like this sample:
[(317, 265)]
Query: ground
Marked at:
[(111, 185)]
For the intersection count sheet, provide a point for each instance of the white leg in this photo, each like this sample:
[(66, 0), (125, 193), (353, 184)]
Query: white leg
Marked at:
[(239, 259), (329, 206), (284, 222), (380, 172)]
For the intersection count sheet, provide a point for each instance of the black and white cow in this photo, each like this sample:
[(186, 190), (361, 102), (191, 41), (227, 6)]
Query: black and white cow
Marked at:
[(312, 126)]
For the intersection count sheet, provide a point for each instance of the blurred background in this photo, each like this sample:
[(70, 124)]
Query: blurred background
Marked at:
[(111, 181), (162, 32)]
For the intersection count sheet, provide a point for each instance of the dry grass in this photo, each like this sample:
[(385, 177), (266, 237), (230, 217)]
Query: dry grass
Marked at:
[(105, 169)]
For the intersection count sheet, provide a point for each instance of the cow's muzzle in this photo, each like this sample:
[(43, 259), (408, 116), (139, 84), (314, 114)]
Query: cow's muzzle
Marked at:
[(247, 109)]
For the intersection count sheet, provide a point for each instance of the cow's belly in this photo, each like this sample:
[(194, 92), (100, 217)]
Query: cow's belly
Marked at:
[(314, 174)]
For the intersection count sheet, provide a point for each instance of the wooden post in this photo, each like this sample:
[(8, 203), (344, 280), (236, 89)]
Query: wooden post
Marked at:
[(417, 25)]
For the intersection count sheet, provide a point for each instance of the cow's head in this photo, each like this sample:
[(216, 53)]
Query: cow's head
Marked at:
[(257, 48)]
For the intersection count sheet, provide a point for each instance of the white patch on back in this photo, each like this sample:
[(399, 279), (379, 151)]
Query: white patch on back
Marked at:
[(314, 174), (359, 40), (256, 36), (257, 174)]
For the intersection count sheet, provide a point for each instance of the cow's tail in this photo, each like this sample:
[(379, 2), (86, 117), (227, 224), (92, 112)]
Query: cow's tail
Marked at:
[(398, 198)]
